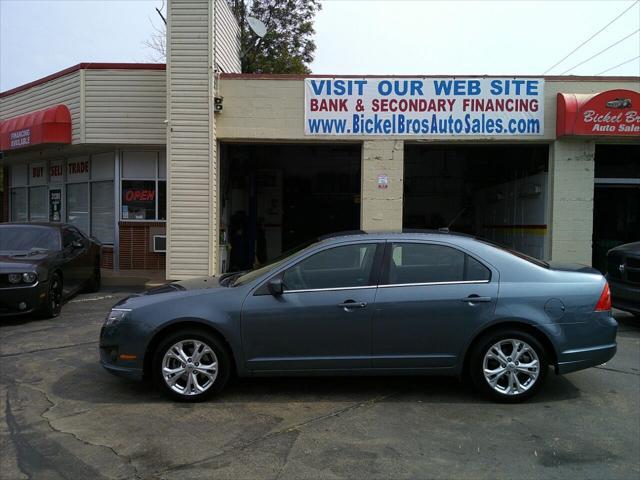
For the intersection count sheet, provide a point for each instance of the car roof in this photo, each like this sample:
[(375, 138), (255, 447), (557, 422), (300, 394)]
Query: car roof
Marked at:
[(414, 234), (56, 225)]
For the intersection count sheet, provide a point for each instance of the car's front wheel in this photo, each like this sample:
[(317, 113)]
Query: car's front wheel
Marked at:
[(93, 284), (508, 366), (191, 365), (52, 305)]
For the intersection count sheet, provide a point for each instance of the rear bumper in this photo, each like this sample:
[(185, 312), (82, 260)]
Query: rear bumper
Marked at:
[(573, 360)]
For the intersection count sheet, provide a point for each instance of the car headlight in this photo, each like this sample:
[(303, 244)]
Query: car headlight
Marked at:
[(29, 277), (115, 316), (15, 277)]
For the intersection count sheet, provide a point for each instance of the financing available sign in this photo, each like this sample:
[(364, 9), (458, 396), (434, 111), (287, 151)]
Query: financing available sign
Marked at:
[(484, 107)]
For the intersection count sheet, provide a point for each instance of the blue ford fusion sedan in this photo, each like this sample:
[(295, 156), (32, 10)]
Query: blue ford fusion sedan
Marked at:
[(356, 303)]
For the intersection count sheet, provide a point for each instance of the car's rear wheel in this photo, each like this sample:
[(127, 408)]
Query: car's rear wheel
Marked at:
[(52, 305), (508, 366), (191, 365)]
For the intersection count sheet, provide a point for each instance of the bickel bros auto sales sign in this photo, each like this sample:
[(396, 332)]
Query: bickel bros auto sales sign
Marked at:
[(424, 106)]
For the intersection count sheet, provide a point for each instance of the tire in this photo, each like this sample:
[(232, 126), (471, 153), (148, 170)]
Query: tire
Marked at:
[(211, 380), (52, 305), (511, 383), (94, 283)]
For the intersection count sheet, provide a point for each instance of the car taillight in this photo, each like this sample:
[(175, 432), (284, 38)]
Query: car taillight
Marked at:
[(604, 302)]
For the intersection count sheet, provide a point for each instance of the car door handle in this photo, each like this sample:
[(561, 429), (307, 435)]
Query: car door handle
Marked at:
[(475, 299), (349, 304)]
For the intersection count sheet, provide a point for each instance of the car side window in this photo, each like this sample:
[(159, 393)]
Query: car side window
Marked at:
[(70, 235), (339, 267), (430, 263)]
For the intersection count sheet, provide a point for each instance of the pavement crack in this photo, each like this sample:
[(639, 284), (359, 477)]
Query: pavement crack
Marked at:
[(14, 428), (44, 416), (617, 371), (298, 426), (8, 355)]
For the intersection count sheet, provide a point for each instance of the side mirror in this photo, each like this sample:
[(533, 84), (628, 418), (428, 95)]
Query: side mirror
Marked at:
[(77, 244), (275, 286)]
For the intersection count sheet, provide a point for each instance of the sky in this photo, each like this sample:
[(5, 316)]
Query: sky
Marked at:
[(421, 37)]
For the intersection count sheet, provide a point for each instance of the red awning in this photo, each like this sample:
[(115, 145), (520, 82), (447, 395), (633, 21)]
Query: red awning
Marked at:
[(50, 125), (610, 113)]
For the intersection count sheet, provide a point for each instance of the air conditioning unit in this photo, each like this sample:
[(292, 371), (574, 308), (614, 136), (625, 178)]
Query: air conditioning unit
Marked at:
[(159, 243)]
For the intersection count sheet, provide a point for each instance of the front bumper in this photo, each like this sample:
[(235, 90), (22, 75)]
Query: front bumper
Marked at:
[(125, 372), (625, 296), (32, 296), (122, 351)]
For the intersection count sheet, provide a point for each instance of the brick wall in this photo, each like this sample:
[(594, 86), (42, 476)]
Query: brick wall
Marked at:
[(571, 172), (381, 208), (135, 251), (106, 259)]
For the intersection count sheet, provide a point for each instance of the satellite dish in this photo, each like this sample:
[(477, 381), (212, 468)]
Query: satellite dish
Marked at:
[(257, 26)]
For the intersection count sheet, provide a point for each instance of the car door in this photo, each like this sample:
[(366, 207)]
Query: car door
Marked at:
[(73, 253), (431, 298), (322, 320)]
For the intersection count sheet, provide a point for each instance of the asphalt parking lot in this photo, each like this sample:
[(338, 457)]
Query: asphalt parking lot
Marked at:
[(63, 417)]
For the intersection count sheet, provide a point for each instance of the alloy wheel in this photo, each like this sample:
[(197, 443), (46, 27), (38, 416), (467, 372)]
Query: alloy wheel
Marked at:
[(55, 296), (190, 367), (511, 366)]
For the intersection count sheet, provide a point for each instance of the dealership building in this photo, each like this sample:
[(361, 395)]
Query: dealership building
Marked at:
[(195, 168)]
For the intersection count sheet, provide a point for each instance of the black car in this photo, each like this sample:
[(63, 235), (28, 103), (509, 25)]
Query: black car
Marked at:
[(41, 264), (623, 274)]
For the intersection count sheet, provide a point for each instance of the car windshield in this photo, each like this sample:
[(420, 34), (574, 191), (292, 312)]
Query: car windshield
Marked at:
[(246, 277), (28, 238)]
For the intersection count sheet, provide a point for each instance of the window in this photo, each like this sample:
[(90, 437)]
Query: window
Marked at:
[(143, 186), (339, 267), (102, 211), (102, 197), (38, 204), (78, 205), (19, 204), (430, 263)]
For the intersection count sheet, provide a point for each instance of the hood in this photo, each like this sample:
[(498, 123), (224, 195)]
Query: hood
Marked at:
[(22, 261), (627, 248), (172, 291), (199, 283)]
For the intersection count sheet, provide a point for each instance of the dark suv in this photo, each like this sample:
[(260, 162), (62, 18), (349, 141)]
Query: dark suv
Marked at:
[(623, 274)]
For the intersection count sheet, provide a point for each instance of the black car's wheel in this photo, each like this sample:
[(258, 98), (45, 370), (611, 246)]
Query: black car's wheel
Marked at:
[(53, 301), (508, 366), (191, 365), (93, 285)]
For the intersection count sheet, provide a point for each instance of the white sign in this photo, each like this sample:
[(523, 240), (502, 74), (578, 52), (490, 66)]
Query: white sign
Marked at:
[(483, 107), (383, 181)]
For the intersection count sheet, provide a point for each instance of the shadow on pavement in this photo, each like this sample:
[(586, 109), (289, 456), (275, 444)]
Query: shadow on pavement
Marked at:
[(94, 385)]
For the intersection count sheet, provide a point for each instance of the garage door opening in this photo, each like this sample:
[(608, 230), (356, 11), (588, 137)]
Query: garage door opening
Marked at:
[(275, 197), (616, 200), (495, 192)]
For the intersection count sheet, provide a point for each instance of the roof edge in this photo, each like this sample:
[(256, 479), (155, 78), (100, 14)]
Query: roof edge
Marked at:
[(557, 78), (84, 66)]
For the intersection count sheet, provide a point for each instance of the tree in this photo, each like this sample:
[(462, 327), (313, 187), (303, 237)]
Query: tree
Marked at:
[(288, 45)]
